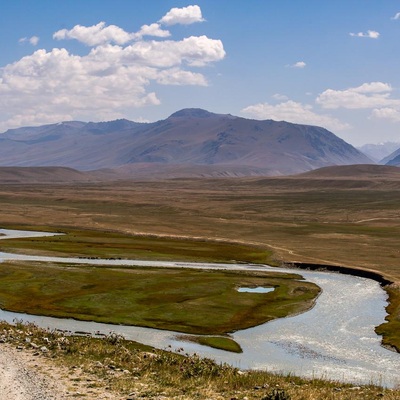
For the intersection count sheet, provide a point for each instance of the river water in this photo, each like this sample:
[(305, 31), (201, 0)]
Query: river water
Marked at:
[(334, 340)]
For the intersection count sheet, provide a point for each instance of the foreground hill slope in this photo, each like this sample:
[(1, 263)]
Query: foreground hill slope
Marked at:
[(191, 137)]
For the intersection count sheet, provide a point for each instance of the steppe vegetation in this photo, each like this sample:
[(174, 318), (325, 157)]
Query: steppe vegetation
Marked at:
[(133, 371), (350, 221)]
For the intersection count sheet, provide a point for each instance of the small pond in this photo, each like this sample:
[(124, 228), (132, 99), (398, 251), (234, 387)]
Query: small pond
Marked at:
[(258, 289)]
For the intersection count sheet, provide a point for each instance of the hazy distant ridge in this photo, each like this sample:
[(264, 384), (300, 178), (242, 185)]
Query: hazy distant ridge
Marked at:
[(378, 152)]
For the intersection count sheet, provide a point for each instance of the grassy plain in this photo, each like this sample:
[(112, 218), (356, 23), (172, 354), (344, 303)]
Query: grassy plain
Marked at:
[(351, 221), (190, 301)]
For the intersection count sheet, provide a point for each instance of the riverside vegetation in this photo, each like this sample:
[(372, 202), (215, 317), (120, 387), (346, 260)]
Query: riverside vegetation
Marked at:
[(131, 370), (352, 222)]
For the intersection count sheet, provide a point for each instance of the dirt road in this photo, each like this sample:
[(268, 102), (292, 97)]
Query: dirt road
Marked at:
[(26, 376), (23, 378)]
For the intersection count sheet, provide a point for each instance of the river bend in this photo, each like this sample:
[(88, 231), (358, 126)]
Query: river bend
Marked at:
[(334, 340)]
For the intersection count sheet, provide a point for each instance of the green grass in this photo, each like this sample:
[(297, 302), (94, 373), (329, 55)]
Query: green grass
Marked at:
[(116, 245), (391, 328), (190, 301), (217, 342)]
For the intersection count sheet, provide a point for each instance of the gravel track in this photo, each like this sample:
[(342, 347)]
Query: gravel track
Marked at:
[(26, 376), (22, 378)]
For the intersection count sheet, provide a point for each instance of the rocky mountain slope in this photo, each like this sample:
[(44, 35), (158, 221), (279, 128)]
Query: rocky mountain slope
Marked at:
[(213, 144)]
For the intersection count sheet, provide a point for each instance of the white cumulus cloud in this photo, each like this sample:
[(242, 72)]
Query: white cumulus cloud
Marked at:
[(376, 96), (95, 34), (397, 16), (183, 16), (388, 113), (112, 78), (369, 95), (369, 34), (152, 30), (294, 112)]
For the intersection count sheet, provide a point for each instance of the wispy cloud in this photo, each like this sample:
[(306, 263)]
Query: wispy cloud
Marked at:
[(368, 34), (280, 97), (397, 16), (33, 40), (298, 64)]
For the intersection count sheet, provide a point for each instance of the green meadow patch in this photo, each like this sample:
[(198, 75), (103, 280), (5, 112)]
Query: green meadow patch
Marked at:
[(116, 245), (217, 342), (185, 300)]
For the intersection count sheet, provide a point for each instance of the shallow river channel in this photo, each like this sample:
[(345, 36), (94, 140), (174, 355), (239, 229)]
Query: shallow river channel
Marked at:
[(334, 340)]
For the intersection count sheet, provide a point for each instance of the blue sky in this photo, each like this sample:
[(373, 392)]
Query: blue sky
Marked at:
[(334, 64)]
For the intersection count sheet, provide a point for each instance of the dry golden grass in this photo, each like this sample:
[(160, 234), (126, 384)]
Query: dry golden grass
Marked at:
[(300, 219)]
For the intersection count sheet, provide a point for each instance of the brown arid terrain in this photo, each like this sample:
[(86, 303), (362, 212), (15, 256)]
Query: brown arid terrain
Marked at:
[(348, 217), (344, 216)]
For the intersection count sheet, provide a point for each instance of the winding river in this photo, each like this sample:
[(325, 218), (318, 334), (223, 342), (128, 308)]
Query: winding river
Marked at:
[(334, 340)]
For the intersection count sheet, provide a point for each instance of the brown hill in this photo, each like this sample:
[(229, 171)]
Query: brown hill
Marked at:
[(358, 171), (42, 175), (346, 177)]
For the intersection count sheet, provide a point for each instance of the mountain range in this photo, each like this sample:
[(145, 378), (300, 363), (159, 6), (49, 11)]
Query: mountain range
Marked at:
[(190, 141)]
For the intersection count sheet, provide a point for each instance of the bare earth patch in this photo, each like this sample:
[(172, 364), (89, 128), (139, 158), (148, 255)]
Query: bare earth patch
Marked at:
[(26, 376)]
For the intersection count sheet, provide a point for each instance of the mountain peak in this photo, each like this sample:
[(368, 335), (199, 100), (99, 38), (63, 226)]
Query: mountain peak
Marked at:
[(192, 113), (191, 136)]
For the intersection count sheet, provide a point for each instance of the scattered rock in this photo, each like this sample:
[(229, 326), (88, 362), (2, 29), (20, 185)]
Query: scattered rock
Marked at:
[(149, 355)]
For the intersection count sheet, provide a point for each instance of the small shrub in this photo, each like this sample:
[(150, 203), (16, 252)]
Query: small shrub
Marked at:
[(114, 338), (277, 394)]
